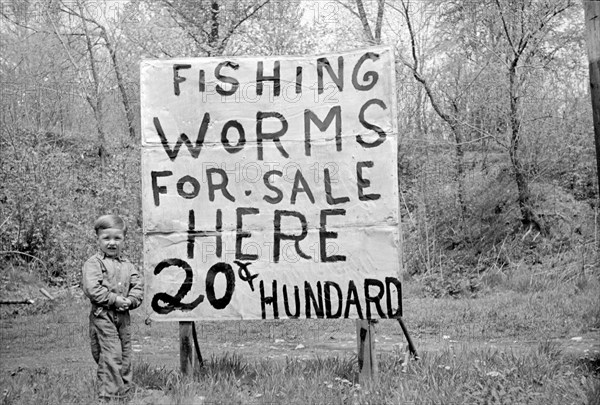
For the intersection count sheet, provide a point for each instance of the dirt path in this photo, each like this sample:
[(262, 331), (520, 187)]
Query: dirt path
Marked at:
[(59, 341)]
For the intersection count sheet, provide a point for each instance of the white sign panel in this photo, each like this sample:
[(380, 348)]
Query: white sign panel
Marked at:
[(270, 187)]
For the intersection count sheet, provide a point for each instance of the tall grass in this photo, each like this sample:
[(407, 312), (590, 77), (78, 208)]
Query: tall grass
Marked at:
[(461, 367), (541, 375), (45, 386)]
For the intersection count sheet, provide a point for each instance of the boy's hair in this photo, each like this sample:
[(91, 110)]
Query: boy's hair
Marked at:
[(110, 221)]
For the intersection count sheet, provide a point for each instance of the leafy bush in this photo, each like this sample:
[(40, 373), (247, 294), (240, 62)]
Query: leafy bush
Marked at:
[(50, 196), (451, 252)]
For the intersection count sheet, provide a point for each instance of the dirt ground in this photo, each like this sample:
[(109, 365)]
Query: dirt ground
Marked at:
[(58, 340)]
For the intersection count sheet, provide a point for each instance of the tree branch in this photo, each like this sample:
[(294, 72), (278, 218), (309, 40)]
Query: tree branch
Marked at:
[(175, 13), (347, 7), (364, 21), (379, 22), (411, 33), (35, 30), (507, 33), (234, 27)]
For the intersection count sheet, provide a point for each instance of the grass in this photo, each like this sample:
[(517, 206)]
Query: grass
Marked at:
[(554, 312), (44, 386), (462, 360), (541, 375)]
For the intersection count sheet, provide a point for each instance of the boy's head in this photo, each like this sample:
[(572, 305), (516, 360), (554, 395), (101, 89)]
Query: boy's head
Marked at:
[(110, 234)]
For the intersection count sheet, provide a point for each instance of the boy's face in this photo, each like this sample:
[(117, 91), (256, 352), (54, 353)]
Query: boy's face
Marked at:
[(110, 241)]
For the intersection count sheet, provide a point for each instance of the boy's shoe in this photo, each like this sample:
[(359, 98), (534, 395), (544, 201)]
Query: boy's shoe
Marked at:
[(129, 387), (111, 398), (128, 391)]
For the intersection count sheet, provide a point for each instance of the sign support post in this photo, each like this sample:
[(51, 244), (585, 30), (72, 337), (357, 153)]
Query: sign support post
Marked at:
[(188, 360), (367, 356)]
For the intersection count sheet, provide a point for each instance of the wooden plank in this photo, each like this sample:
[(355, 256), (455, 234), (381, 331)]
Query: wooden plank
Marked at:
[(367, 358), (46, 293), (411, 347), (188, 360), (592, 36), (16, 301)]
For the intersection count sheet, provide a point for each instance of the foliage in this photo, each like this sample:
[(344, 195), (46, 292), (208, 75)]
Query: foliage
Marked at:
[(278, 30), (50, 196), (459, 198), (490, 193), (450, 256)]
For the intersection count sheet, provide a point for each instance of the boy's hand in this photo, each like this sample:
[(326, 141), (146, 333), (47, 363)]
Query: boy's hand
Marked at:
[(122, 304)]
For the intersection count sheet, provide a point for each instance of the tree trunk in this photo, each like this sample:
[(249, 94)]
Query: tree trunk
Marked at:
[(451, 118), (95, 100), (102, 151), (528, 217), (213, 38), (459, 176), (373, 38), (121, 85)]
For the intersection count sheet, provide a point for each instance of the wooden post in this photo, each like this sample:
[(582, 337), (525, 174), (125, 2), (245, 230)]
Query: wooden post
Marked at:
[(592, 37), (411, 347), (367, 359), (188, 360)]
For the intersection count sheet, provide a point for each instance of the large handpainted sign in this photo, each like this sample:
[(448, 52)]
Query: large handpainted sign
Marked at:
[(269, 187)]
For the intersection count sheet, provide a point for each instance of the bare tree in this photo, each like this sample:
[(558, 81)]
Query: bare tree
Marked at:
[(515, 34), (82, 36), (525, 26), (451, 115), (101, 31), (372, 35), (211, 24), (278, 29), (92, 96), (41, 105)]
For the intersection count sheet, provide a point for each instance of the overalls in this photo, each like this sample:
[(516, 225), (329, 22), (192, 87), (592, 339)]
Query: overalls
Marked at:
[(103, 279)]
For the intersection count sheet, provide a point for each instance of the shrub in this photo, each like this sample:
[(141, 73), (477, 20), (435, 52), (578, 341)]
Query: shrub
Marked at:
[(50, 195)]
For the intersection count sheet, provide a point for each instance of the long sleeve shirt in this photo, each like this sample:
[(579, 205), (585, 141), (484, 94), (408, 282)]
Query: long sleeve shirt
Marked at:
[(103, 279)]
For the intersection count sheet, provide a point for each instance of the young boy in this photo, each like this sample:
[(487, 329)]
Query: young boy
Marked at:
[(114, 286)]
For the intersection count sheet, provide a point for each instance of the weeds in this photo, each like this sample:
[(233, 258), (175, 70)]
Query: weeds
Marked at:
[(42, 386), (49, 199), (464, 371), (152, 377), (542, 375)]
